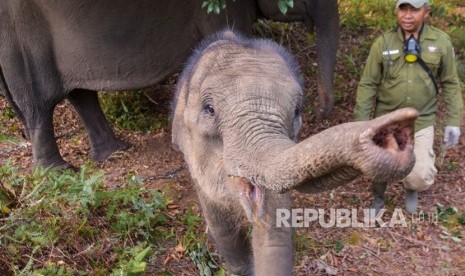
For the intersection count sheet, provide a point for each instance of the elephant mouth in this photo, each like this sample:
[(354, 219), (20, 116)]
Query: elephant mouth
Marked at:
[(251, 196)]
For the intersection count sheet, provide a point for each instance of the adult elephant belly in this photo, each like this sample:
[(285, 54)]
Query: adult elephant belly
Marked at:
[(128, 48)]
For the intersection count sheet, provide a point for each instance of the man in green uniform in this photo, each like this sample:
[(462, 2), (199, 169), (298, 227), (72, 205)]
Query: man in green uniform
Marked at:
[(404, 69)]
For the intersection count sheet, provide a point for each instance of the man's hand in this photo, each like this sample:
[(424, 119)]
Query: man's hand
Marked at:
[(451, 136)]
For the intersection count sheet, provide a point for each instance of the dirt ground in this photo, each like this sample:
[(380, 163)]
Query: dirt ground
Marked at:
[(423, 247)]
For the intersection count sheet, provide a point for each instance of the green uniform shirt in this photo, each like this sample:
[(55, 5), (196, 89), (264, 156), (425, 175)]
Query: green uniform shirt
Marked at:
[(389, 82)]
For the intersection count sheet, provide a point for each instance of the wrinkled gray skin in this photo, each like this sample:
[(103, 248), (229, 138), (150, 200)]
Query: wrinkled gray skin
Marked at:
[(53, 50), (236, 119)]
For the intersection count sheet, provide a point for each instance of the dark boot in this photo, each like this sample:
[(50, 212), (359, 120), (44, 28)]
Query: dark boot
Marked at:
[(411, 201), (378, 192)]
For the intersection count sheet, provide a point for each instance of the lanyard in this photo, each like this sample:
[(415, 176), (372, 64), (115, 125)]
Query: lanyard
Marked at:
[(428, 71)]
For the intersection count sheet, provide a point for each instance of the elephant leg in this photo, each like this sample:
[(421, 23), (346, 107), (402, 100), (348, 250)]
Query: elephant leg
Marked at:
[(272, 243), (40, 131), (102, 140), (34, 106), (36, 114), (230, 237), (31, 85), (325, 15)]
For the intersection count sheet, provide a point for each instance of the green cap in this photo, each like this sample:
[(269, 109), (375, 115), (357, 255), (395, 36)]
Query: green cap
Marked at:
[(414, 3)]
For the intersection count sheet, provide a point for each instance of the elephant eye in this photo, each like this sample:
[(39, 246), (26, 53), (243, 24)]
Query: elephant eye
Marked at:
[(297, 111), (208, 108)]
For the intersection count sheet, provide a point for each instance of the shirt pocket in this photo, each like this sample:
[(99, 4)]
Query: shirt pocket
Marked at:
[(392, 64), (432, 60)]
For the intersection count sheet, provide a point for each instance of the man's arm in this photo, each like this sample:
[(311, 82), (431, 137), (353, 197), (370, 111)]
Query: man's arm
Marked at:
[(450, 84)]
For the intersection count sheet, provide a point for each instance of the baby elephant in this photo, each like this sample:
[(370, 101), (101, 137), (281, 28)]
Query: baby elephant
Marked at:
[(236, 119)]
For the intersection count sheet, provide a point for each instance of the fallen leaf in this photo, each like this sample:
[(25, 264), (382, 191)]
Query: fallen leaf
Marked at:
[(180, 248)]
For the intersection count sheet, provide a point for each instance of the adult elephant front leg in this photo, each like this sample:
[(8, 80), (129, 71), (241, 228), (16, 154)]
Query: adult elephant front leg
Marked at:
[(102, 140)]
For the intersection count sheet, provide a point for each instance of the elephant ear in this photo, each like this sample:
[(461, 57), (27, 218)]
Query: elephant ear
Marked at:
[(188, 90), (179, 105)]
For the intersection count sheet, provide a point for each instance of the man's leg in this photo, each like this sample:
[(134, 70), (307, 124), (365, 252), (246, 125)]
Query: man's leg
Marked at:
[(424, 172), (378, 192)]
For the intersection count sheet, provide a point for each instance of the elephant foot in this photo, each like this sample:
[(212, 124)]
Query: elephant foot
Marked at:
[(55, 164), (103, 151)]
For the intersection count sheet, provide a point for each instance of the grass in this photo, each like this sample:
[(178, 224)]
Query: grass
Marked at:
[(69, 223), (137, 110), (377, 15), (7, 116)]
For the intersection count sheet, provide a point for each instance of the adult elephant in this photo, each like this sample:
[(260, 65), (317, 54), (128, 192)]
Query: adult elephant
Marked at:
[(53, 50)]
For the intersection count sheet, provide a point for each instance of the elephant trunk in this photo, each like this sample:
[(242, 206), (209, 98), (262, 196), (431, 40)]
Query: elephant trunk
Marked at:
[(380, 149)]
